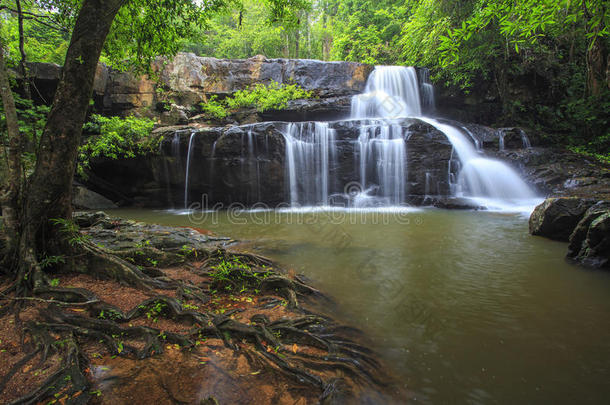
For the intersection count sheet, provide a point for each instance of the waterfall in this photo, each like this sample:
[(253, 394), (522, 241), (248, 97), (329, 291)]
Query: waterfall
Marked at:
[(176, 145), (376, 135), (383, 159), (501, 141), (188, 166), (525, 140), (427, 90), (481, 177), (251, 168), (390, 92), (310, 154)]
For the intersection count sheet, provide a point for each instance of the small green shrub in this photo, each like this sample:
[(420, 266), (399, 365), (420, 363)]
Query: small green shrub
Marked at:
[(262, 97), (214, 108), (588, 152), (222, 271), (267, 97), (116, 137)]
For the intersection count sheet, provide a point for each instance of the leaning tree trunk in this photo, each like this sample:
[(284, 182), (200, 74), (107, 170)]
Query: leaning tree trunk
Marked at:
[(50, 188)]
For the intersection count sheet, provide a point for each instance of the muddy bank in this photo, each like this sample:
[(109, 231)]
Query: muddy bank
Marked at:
[(215, 325)]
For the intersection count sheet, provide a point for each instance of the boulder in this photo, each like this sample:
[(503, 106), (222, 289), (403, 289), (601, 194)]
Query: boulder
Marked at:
[(83, 198), (314, 109), (85, 219), (454, 203), (117, 233), (175, 116), (590, 240), (556, 218)]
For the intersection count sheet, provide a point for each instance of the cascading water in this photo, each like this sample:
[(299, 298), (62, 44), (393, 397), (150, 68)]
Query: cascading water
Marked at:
[(188, 167), (390, 92), (393, 93), (251, 168), (317, 168), (482, 177), (310, 154), (427, 90), (383, 161)]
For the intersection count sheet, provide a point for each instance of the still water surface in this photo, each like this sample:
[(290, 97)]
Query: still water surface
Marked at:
[(466, 306)]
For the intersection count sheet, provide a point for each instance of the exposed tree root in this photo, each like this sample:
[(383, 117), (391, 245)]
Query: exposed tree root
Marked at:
[(306, 348)]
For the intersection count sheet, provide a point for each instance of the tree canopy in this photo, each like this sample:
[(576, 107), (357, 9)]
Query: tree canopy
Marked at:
[(471, 46)]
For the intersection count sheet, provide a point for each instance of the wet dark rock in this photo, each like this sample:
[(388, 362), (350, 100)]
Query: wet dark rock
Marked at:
[(556, 218), (557, 172), (590, 240), (85, 219), (452, 203), (246, 164), (83, 198), (117, 233), (229, 165), (315, 109)]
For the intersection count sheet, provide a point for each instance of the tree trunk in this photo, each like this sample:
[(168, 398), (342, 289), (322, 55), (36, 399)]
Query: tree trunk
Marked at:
[(11, 190), (22, 67), (597, 54), (50, 188), (297, 39), (597, 80)]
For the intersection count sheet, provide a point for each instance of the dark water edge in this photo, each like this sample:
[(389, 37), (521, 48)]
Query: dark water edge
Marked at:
[(465, 306)]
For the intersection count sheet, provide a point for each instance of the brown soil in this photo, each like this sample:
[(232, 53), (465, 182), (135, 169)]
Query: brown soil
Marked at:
[(185, 375)]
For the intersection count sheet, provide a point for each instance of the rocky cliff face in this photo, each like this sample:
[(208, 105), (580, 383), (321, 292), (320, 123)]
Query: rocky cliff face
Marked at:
[(187, 80), (193, 77), (247, 165)]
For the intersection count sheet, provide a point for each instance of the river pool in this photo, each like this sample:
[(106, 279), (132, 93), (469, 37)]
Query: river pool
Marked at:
[(466, 306)]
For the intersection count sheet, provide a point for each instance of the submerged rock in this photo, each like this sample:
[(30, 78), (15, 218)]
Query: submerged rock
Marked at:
[(556, 218)]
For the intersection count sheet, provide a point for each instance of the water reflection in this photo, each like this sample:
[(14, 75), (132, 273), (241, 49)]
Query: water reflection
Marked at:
[(466, 305)]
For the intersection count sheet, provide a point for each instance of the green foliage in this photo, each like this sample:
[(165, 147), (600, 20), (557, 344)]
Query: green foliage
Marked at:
[(214, 108), (43, 42), (49, 261), (590, 152), (262, 97), (116, 137), (69, 230), (254, 27), (222, 271), (267, 97), (145, 29), (32, 119), (154, 310)]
